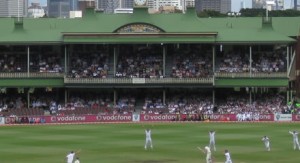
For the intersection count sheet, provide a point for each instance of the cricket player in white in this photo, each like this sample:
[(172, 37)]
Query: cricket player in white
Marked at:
[(148, 139), (295, 139), (212, 143), (70, 157), (227, 156), (77, 160), (266, 141), (208, 153)]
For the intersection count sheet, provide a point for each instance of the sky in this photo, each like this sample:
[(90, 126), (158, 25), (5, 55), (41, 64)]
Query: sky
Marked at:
[(236, 4)]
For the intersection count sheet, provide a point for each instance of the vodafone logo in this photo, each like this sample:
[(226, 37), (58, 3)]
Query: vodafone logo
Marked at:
[(53, 119), (146, 117), (110, 118), (265, 117), (297, 117), (99, 118), (165, 117)]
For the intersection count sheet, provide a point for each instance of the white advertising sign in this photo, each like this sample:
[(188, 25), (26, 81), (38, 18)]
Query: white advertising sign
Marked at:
[(2, 120), (283, 117)]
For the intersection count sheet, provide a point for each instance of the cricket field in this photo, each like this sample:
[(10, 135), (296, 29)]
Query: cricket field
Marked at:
[(124, 143)]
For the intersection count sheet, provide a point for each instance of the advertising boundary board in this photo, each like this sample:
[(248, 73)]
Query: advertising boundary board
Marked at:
[(2, 120), (135, 117), (296, 117), (283, 117)]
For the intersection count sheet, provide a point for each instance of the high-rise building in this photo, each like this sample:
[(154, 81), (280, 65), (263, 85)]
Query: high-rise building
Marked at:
[(73, 5), (35, 10), (4, 8), (13, 8), (125, 3), (109, 6), (83, 4), (222, 6), (243, 4), (276, 4), (295, 4), (154, 5), (58, 8), (189, 3)]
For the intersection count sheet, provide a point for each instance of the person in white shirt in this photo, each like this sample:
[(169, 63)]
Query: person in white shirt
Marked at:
[(208, 153), (148, 139), (77, 160), (295, 139), (212, 143), (266, 141), (227, 157), (70, 157)]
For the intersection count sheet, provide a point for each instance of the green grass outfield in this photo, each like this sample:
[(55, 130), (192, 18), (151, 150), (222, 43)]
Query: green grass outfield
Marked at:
[(124, 143)]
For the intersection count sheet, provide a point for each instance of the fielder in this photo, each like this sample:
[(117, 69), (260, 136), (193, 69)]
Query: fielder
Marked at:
[(227, 157), (207, 152), (70, 156), (266, 141), (148, 139), (77, 160), (212, 143), (295, 139)]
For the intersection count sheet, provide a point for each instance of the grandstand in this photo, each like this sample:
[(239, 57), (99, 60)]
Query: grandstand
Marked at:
[(148, 63)]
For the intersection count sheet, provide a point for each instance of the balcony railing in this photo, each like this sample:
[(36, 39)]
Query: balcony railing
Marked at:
[(31, 75), (207, 80), (252, 75), (139, 80)]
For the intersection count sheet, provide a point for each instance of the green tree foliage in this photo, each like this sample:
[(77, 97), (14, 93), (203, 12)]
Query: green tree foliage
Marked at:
[(252, 13), (274, 13), (210, 13)]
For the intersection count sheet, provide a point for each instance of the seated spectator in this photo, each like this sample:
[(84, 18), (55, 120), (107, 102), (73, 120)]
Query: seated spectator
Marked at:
[(143, 63), (46, 63), (191, 64), (13, 63), (89, 65)]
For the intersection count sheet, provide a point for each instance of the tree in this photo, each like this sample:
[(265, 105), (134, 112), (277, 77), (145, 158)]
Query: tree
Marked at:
[(210, 13), (274, 13)]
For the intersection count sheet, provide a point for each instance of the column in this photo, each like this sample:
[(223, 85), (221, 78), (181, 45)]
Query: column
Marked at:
[(164, 96), (116, 50), (287, 60), (66, 63), (250, 52), (214, 55), (250, 97), (66, 96), (28, 98), (115, 97), (213, 97), (287, 96), (164, 60), (28, 61)]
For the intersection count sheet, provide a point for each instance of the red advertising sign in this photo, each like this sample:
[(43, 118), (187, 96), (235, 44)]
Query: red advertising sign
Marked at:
[(158, 117), (10, 120), (221, 117), (114, 118), (83, 118), (296, 117), (129, 118), (266, 117)]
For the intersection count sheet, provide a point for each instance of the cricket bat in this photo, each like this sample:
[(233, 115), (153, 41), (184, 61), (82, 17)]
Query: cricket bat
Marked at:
[(78, 151), (201, 149)]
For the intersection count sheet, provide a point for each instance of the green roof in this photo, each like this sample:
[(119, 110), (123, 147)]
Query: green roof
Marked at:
[(225, 30)]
